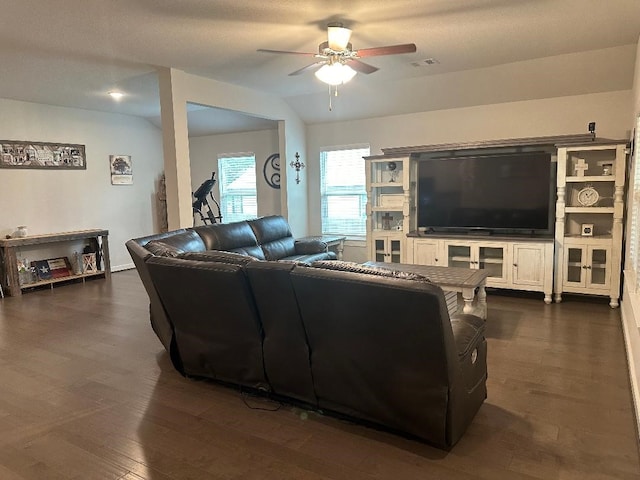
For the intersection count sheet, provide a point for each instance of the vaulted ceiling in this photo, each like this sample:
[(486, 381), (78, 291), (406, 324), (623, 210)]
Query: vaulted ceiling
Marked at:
[(71, 52)]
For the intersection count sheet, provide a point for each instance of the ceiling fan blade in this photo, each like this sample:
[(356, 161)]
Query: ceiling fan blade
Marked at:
[(388, 50), (264, 50), (362, 67), (307, 68)]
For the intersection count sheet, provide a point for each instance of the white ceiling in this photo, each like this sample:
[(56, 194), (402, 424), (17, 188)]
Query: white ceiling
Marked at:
[(70, 52)]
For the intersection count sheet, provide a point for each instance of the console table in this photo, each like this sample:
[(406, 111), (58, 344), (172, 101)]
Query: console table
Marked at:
[(463, 280), (9, 260)]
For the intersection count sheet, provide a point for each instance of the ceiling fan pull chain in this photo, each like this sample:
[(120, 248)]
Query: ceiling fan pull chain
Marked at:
[(330, 105)]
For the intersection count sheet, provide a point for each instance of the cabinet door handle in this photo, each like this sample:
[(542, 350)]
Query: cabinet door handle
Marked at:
[(515, 264), (436, 259), (588, 267), (584, 266)]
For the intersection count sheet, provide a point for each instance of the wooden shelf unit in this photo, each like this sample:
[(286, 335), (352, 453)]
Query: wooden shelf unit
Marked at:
[(9, 260), (590, 264)]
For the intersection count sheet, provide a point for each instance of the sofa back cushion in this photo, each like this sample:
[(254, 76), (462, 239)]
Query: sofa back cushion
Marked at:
[(231, 258), (371, 336), (159, 320), (285, 348), (217, 327), (172, 245), (274, 236), (232, 237)]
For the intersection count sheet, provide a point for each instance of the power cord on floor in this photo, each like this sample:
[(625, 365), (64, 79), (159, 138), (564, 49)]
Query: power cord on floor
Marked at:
[(245, 395)]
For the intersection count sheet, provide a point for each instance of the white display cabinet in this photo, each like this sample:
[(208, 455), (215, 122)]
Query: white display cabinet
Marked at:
[(589, 214)]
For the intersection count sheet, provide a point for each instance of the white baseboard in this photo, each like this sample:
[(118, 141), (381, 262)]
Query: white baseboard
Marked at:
[(630, 309), (126, 266)]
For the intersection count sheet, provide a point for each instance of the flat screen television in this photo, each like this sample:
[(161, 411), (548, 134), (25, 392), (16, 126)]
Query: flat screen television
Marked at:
[(506, 193)]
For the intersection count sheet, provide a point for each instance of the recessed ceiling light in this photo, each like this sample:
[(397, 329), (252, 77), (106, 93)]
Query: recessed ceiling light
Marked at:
[(116, 95)]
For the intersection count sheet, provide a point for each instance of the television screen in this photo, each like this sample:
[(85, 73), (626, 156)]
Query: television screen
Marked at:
[(509, 192)]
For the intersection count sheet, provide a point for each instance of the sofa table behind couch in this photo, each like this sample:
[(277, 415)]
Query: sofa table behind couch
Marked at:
[(99, 238), (452, 279)]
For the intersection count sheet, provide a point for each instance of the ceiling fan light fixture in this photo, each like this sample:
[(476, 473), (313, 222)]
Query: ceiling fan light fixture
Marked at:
[(335, 74), (115, 94), (338, 37)]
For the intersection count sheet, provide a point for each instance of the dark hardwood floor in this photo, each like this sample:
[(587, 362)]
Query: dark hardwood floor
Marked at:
[(87, 392)]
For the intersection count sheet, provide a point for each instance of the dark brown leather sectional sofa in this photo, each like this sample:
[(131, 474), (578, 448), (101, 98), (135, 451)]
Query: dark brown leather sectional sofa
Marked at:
[(371, 344)]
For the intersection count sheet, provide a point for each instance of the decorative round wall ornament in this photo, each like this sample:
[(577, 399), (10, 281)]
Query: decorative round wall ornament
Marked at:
[(588, 196), (271, 170)]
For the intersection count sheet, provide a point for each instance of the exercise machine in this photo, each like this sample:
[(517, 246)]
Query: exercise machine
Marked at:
[(201, 205)]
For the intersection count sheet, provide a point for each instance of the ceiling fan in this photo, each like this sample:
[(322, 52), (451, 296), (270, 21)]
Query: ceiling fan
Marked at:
[(337, 61)]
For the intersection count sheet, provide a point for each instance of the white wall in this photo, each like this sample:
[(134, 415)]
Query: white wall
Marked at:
[(533, 118), (176, 89), (50, 201), (204, 151)]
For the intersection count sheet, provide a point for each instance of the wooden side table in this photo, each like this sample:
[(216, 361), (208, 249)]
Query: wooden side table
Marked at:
[(9, 278), (463, 280)]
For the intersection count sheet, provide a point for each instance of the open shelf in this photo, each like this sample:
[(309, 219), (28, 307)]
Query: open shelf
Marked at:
[(387, 184), (589, 210), (52, 281), (591, 178)]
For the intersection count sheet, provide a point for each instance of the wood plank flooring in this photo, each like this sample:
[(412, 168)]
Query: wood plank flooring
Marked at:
[(87, 392)]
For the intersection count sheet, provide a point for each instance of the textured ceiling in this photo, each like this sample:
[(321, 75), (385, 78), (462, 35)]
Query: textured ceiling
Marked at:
[(70, 52)]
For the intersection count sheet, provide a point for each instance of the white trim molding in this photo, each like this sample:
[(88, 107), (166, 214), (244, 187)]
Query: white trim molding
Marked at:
[(630, 313)]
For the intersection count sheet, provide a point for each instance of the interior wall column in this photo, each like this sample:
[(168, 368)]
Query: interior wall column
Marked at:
[(175, 141)]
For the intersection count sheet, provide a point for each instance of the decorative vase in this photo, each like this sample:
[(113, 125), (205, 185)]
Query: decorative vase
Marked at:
[(21, 231)]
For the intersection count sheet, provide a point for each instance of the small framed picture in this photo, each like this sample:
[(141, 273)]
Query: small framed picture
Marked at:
[(121, 169), (586, 230)]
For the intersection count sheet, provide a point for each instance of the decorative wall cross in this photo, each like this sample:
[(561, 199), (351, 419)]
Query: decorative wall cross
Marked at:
[(298, 165), (580, 167)]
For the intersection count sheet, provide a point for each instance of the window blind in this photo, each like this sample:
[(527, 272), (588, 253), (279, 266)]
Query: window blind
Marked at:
[(237, 183), (342, 189)]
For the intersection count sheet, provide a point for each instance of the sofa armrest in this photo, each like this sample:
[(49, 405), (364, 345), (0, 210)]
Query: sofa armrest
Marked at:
[(468, 332), (308, 247)]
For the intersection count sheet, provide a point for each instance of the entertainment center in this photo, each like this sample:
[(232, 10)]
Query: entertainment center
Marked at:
[(539, 214)]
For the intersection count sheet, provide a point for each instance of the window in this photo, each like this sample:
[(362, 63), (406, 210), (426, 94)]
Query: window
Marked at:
[(342, 190), (237, 177)]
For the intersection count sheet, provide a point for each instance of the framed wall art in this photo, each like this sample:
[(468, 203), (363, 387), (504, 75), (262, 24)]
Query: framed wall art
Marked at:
[(26, 154), (121, 169)]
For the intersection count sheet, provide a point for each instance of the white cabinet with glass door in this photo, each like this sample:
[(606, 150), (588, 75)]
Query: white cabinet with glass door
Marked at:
[(388, 207), (388, 248), (587, 268), (589, 216), (478, 255)]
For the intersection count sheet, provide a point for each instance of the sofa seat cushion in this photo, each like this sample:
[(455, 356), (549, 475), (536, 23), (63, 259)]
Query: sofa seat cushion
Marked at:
[(252, 251), (310, 258)]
